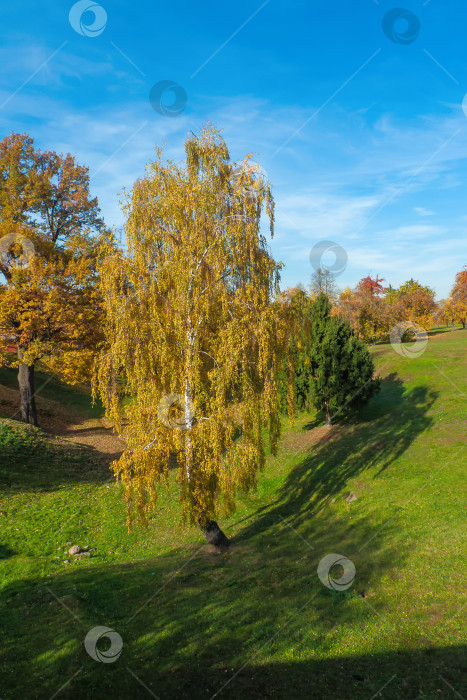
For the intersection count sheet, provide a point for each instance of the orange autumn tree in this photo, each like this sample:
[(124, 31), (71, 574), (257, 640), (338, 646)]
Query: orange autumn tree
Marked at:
[(49, 299), (412, 302), (192, 333), (364, 309), (370, 322), (443, 313), (346, 307), (458, 298)]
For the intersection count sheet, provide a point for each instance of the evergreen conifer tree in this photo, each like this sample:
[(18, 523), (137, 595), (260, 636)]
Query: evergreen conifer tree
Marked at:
[(341, 368)]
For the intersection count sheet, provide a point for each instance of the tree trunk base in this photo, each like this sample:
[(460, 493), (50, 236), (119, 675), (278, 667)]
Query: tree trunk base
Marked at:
[(27, 392), (328, 414), (214, 535)]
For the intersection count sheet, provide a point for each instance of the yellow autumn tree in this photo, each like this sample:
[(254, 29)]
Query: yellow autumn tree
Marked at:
[(458, 297), (446, 312), (49, 299), (293, 307), (192, 333)]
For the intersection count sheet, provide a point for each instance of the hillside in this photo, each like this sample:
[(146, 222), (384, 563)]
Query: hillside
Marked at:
[(386, 490)]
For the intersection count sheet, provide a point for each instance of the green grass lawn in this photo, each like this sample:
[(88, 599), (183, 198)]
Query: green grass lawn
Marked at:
[(255, 622)]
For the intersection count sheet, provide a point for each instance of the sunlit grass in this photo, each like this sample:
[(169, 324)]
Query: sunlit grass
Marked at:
[(191, 618)]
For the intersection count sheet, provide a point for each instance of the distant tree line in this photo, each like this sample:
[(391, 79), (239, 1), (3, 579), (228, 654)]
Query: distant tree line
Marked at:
[(372, 309)]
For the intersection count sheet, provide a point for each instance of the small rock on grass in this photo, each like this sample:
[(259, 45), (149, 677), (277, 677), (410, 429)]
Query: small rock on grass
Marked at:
[(74, 550), (350, 497)]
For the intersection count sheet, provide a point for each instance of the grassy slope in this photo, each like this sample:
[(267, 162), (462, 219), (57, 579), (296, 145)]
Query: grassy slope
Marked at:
[(49, 387), (399, 628)]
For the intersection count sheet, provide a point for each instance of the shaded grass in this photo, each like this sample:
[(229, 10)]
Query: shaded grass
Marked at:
[(47, 386), (257, 618)]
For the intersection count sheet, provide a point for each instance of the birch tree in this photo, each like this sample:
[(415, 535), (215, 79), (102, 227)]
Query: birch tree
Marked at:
[(192, 333)]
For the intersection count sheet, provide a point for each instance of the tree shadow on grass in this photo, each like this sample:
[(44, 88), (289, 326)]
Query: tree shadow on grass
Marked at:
[(6, 552), (377, 436), (445, 329), (188, 620), (256, 622), (31, 460)]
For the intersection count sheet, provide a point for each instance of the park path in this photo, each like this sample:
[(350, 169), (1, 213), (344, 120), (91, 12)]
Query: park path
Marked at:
[(60, 420)]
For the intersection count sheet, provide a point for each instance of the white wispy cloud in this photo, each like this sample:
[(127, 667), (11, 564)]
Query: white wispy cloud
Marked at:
[(363, 185), (423, 212)]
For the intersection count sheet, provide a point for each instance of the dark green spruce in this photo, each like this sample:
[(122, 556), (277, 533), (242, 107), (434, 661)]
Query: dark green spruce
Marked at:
[(341, 369)]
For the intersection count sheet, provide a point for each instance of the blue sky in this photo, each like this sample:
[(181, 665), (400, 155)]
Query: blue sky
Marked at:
[(362, 133)]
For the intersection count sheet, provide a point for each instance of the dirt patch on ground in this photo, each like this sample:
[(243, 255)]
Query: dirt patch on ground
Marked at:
[(57, 419), (308, 438)]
